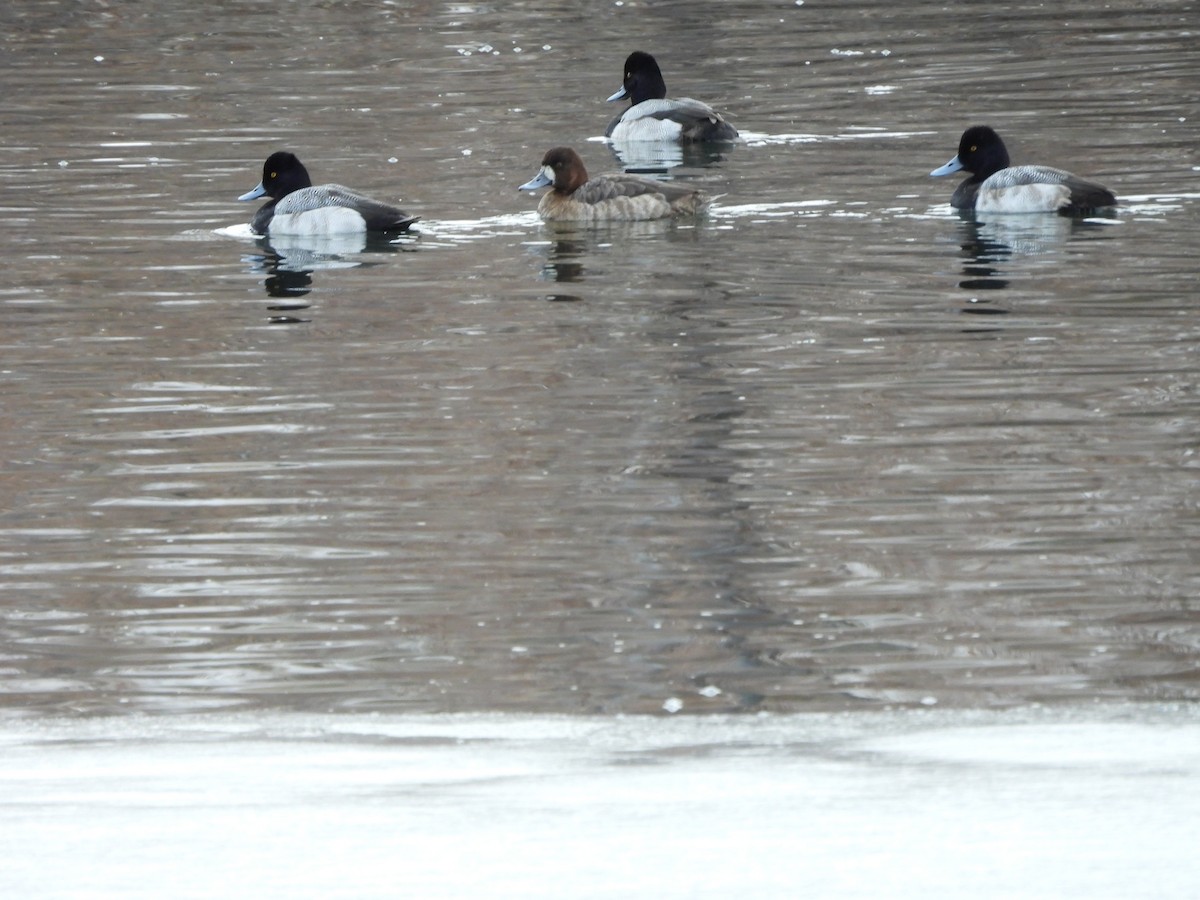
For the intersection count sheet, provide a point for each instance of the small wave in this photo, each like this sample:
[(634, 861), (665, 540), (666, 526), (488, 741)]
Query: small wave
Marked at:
[(765, 139)]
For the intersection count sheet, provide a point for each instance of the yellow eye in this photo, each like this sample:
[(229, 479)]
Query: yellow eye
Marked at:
[(972, 150), (275, 174)]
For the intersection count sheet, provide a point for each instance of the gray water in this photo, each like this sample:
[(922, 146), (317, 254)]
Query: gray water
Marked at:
[(832, 448), (371, 569)]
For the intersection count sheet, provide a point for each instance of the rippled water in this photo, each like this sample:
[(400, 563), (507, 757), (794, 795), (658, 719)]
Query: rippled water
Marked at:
[(833, 447)]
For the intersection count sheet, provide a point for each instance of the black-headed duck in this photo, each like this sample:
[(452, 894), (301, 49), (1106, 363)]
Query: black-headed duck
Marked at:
[(298, 208), (653, 117), (996, 187)]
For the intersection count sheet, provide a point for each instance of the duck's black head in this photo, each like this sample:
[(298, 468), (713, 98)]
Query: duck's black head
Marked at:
[(283, 173)]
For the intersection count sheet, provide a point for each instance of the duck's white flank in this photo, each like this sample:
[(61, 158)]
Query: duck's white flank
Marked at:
[(323, 221), (1023, 198)]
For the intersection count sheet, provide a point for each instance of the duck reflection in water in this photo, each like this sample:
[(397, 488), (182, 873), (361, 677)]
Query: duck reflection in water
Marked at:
[(989, 246), (659, 157), (285, 283), (564, 263), (982, 259), (289, 263), (572, 254)]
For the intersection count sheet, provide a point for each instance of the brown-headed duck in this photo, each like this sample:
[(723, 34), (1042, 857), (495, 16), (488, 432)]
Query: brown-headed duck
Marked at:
[(574, 197)]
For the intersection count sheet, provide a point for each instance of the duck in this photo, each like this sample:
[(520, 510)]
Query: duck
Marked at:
[(652, 117), (574, 197), (297, 208), (997, 187)]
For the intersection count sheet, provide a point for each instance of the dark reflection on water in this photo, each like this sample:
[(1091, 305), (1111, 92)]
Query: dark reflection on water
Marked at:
[(984, 258), (758, 461), (290, 262), (565, 261), (659, 158), (283, 282), (990, 245)]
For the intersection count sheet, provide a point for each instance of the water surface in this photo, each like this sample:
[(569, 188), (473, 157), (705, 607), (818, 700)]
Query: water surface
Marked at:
[(832, 448)]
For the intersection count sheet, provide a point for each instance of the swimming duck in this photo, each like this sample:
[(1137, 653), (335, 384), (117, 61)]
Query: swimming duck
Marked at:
[(653, 117), (298, 208), (996, 187), (607, 198)]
